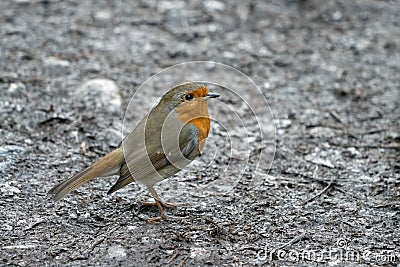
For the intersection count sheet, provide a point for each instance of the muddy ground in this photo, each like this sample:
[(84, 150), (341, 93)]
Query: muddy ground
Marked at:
[(331, 75)]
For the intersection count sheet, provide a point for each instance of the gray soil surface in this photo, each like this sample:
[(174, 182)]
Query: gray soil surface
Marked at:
[(329, 69)]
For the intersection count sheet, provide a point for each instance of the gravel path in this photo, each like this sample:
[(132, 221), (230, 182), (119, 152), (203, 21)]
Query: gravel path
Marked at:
[(331, 76)]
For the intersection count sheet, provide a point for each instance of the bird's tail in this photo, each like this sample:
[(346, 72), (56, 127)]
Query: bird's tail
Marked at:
[(106, 166)]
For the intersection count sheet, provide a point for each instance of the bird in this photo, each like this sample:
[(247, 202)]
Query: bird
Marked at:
[(165, 141)]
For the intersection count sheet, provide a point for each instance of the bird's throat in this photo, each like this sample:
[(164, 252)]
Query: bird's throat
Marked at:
[(196, 113)]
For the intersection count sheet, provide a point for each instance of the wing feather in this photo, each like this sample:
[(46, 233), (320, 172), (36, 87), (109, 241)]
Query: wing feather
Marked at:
[(156, 165)]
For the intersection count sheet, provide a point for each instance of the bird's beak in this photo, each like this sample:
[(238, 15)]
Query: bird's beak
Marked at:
[(212, 95)]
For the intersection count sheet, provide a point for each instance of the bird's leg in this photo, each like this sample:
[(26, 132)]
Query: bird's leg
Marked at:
[(158, 200), (160, 204)]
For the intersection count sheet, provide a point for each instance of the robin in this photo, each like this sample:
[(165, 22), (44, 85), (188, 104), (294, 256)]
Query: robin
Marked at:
[(171, 136)]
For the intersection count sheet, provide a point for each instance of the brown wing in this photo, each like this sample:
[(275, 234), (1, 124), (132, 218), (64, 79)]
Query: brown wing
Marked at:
[(145, 160), (160, 168), (158, 161)]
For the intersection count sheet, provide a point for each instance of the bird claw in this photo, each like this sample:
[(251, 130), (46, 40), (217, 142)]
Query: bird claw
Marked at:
[(163, 216), (163, 203)]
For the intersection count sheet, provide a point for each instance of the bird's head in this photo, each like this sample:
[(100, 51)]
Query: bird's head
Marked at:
[(188, 102), (187, 96)]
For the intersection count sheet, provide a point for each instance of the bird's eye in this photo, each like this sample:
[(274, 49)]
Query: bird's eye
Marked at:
[(189, 97)]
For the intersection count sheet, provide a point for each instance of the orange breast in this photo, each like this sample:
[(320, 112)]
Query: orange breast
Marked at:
[(196, 113), (203, 125)]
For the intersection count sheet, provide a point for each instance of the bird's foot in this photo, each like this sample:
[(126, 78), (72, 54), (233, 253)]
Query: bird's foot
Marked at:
[(163, 203), (163, 216)]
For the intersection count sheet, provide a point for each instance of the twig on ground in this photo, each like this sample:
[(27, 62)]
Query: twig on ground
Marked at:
[(371, 131), (388, 146), (289, 243), (321, 192), (100, 239), (384, 205), (336, 116), (292, 241), (173, 256), (34, 224), (331, 183), (97, 241), (183, 261)]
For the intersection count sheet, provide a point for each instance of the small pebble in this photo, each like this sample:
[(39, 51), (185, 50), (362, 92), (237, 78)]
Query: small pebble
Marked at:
[(100, 94), (116, 252), (29, 142), (56, 67)]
